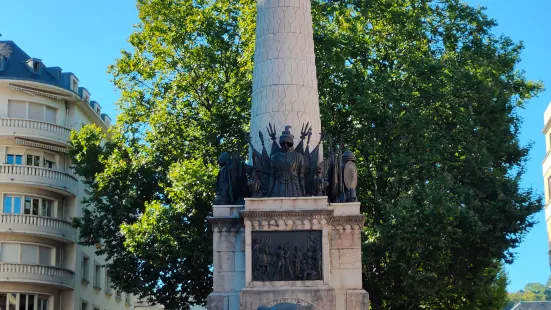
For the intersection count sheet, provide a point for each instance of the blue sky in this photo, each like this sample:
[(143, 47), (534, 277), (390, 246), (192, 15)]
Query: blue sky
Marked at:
[(84, 37)]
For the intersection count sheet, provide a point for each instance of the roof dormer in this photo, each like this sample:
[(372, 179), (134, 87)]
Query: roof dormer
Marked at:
[(84, 94), (106, 119), (35, 65), (3, 63), (55, 72), (70, 82), (95, 105)]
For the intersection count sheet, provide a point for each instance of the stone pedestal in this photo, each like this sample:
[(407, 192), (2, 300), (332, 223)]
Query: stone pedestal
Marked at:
[(228, 257), (255, 255)]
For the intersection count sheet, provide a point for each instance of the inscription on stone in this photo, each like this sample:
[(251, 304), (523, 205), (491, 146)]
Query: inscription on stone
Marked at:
[(287, 255)]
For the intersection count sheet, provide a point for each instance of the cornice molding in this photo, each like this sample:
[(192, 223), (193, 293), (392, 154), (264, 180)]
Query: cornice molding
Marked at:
[(232, 224), (266, 214)]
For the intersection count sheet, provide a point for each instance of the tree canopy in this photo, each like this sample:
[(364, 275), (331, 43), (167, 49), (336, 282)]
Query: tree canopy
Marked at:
[(422, 91), (531, 292)]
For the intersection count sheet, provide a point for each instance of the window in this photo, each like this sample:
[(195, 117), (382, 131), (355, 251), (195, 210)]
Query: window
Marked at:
[(49, 161), (10, 252), (14, 159), (33, 160), (39, 206), (36, 111), (75, 85), (549, 188), (85, 268), (32, 205), (31, 157), (17, 109), (12, 301), (97, 276), (46, 208), (45, 256), (29, 254), (107, 282), (50, 115), (84, 305), (12, 204), (43, 302), (26, 253), (32, 110)]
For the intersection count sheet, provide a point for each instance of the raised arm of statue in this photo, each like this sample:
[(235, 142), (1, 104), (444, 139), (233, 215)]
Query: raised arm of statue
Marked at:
[(272, 131), (305, 130), (261, 136), (248, 140), (273, 135)]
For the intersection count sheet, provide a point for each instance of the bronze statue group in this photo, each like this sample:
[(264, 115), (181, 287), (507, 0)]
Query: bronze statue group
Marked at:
[(287, 172)]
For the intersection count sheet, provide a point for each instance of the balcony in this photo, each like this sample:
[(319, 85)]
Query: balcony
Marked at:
[(36, 130), (45, 178), (39, 226), (61, 277)]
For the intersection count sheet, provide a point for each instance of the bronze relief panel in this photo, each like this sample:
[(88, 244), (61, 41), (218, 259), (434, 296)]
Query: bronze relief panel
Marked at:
[(287, 255)]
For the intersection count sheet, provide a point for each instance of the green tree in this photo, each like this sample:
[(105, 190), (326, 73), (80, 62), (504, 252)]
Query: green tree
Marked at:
[(421, 90), (531, 292)]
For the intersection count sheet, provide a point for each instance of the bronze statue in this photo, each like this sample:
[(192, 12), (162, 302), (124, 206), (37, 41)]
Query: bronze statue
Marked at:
[(320, 183), (350, 176), (224, 192), (288, 169), (231, 180), (261, 176)]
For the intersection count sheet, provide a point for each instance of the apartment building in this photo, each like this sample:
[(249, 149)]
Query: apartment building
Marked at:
[(41, 265), (546, 167)]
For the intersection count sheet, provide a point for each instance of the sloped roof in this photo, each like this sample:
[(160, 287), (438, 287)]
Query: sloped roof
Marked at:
[(533, 305), (17, 67)]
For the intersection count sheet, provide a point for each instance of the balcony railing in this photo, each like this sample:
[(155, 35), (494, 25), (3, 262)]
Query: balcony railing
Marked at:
[(35, 129), (44, 177), (38, 225), (36, 273)]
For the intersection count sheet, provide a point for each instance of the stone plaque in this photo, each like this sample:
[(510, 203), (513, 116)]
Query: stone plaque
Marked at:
[(287, 255)]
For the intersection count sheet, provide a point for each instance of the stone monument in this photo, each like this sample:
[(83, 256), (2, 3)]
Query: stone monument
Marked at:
[(287, 224)]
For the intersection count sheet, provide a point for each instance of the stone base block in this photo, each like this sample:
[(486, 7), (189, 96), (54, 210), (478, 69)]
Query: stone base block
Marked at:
[(352, 299), (357, 299), (321, 298), (223, 301)]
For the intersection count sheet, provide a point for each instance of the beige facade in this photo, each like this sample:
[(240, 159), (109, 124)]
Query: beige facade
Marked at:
[(546, 167), (41, 265)]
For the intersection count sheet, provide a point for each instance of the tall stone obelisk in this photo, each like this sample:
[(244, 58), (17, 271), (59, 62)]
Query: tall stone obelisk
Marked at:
[(285, 87)]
